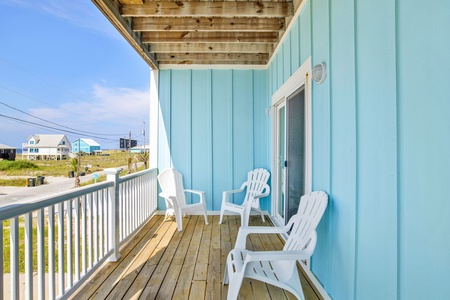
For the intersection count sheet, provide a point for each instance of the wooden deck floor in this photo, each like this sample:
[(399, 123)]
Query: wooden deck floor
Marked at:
[(162, 263)]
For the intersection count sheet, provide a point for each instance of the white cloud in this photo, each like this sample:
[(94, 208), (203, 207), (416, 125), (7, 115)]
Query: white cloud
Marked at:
[(111, 110)]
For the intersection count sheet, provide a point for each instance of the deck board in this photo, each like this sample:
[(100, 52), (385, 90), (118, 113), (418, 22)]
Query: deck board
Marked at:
[(162, 263)]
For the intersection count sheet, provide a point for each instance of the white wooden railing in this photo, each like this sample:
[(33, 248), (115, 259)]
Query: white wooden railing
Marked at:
[(67, 236)]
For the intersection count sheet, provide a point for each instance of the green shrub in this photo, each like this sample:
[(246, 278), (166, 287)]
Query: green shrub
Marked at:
[(6, 165)]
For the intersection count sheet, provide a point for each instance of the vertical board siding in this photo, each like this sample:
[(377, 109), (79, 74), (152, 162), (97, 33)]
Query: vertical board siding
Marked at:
[(343, 147), (318, 31), (209, 119), (380, 123), (242, 128), (201, 165), (305, 32), (377, 149), (262, 138), (295, 47), (222, 116), (424, 165), (180, 119), (287, 57)]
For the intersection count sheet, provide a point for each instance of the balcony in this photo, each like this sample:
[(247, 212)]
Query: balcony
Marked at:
[(115, 246)]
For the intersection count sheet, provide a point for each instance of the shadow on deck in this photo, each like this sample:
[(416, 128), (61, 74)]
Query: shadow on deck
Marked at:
[(162, 263)]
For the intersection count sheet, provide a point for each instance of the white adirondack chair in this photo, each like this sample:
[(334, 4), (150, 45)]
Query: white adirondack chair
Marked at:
[(277, 267), (257, 188), (173, 192)]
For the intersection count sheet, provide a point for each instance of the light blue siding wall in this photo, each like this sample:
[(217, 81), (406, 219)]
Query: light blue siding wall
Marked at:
[(213, 128), (423, 75), (380, 146)]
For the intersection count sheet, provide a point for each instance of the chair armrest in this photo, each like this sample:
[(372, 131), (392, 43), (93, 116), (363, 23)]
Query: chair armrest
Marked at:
[(200, 193), (167, 196), (276, 255), (245, 230), (226, 194)]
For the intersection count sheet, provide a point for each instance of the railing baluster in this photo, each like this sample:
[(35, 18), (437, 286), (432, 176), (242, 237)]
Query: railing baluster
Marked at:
[(101, 228), (77, 239), (51, 251), (41, 254), (61, 278), (83, 234), (90, 205), (122, 211), (14, 255), (29, 255), (107, 221), (95, 226), (69, 243)]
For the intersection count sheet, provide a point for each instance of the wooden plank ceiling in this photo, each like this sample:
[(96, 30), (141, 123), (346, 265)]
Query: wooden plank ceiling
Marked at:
[(201, 32)]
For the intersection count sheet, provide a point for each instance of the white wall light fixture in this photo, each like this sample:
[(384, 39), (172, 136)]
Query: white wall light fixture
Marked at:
[(319, 73)]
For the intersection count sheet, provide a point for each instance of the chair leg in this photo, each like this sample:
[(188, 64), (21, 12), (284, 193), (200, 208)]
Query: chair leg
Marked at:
[(179, 220), (262, 215), (221, 214), (234, 286), (204, 213)]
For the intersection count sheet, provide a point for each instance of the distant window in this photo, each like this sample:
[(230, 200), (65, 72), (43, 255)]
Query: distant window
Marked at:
[(31, 142), (63, 142)]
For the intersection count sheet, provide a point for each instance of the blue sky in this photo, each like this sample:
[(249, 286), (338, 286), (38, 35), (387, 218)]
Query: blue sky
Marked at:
[(63, 61)]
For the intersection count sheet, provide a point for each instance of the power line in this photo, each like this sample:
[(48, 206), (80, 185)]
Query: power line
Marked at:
[(39, 118), (53, 128)]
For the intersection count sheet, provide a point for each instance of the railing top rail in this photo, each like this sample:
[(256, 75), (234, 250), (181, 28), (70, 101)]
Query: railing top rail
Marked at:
[(14, 210), (137, 174)]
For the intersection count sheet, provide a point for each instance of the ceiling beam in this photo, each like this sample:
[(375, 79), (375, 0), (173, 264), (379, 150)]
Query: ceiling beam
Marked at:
[(208, 24), (263, 9), (209, 37), (131, 1), (250, 57), (211, 48), (211, 62)]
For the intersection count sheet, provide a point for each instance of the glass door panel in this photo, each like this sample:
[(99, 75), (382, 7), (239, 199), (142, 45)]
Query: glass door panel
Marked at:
[(295, 152), (281, 158)]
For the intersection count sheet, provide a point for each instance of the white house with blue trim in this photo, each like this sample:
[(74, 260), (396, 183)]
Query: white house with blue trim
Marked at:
[(85, 145), (46, 146), (374, 135)]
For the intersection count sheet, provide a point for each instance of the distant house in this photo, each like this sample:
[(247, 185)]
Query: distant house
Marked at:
[(85, 145), (140, 149), (7, 152), (47, 146)]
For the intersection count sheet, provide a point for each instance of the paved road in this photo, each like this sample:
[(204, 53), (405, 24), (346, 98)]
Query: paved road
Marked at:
[(15, 195)]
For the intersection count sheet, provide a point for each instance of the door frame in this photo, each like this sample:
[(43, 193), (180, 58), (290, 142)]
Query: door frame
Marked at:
[(300, 78)]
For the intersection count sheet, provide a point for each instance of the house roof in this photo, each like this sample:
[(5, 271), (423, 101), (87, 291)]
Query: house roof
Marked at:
[(3, 146), (48, 141), (201, 32), (90, 142)]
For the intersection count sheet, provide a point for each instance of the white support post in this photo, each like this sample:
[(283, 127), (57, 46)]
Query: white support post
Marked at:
[(114, 212), (154, 115)]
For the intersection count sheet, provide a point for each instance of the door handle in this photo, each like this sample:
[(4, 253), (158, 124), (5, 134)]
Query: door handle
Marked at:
[(285, 163)]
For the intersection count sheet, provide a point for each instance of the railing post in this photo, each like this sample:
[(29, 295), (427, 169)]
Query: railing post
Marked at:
[(114, 213)]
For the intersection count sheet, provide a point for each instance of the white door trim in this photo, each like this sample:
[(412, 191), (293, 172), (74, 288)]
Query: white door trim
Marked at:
[(297, 80)]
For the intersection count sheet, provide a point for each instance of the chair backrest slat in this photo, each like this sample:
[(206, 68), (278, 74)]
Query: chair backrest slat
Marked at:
[(310, 211), (256, 181), (171, 183)]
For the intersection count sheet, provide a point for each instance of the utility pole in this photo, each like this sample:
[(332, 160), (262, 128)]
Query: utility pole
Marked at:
[(143, 133), (129, 153), (129, 144)]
